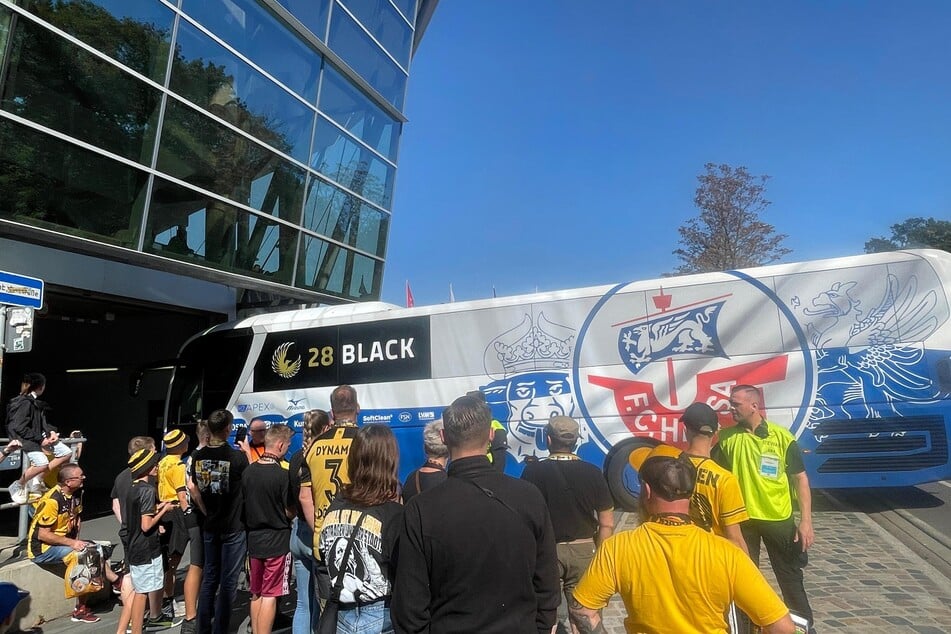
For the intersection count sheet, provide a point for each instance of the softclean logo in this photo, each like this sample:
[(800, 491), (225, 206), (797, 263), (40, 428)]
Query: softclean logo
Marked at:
[(282, 364)]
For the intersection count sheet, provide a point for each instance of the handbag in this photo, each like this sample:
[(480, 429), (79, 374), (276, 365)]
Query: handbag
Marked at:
[(328, 616)]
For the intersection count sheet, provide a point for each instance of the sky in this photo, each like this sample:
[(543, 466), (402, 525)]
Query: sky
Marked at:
[(555, 144)]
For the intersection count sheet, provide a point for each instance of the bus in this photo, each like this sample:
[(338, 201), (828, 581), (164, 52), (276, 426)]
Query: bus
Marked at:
[(853, 355)]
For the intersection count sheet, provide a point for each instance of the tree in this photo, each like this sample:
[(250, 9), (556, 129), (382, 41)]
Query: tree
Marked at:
[(914, 233), (728, 233)]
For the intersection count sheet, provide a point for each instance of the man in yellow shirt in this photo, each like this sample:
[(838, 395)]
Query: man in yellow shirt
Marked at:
[(672, 575), (171, 488)]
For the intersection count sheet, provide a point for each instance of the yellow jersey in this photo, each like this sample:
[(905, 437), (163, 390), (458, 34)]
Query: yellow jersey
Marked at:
[(171, 477), (324, 471), (677, 578), (717, 501)]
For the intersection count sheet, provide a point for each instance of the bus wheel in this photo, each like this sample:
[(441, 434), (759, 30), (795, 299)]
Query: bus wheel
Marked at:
[(622, 479)]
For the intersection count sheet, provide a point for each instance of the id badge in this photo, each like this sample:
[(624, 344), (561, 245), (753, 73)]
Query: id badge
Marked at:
[(769, 466)]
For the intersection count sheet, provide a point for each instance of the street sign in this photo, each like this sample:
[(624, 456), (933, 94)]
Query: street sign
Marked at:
[(19, 290)]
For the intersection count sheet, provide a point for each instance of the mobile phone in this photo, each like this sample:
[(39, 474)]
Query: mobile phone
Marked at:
[(240, 434)]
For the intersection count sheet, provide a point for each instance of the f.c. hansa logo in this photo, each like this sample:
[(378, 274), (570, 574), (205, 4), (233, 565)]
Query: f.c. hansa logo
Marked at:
[(283, 366)]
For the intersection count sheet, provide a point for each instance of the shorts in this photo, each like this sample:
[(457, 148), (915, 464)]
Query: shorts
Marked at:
[(39, 458), (573, 561), (270, 577), (176, 534), (196, 541), (147, 577)]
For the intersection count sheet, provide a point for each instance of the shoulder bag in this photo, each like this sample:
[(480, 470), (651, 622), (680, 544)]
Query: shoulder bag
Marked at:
[(328, 616)]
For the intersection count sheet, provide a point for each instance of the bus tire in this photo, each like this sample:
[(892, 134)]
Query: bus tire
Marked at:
[(623, 483)]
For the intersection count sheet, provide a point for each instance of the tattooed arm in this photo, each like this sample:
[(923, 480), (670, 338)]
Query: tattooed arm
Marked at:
[(587, 621)]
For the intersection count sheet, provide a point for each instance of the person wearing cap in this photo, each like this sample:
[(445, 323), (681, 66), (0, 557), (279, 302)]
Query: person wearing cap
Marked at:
[(143, 515), (672, 575), (172, 489), (10, 597), (579, 502), (767, 461), (717, 503), (477, 552), (54, 531)]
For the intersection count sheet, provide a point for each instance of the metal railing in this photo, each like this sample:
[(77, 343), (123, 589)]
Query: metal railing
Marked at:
[(18, 459)]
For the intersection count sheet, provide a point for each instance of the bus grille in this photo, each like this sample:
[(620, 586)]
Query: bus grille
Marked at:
[(882, 444)]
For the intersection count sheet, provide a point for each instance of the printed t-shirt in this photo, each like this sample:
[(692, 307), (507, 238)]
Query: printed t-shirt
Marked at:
[(677, 579), (761, 460), (266, 487), (171, 477), (716, 502), (143, 547), (575, 491), (325, 470), (59, 513), (368, 577), (216, 472)]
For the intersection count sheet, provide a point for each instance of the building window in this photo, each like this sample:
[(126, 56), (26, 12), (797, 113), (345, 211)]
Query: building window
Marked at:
[(387, 26), (329, 268), (345, 218), (362, 54), (190, 226), (49, 183), (311, 13), (345, 161), (344, 103)]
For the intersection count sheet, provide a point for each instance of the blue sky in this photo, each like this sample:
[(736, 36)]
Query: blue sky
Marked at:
[(556, 144)]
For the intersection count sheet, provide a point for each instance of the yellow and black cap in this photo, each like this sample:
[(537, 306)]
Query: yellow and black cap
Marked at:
[(174, 438), (667, 470), (142, 462)]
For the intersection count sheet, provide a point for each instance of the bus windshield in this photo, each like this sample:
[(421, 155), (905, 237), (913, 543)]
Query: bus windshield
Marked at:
[(206, 374)]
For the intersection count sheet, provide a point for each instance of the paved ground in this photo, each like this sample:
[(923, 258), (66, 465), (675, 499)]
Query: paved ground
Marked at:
[(860, 579)]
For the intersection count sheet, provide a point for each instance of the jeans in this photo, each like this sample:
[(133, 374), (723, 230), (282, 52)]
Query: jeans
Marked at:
[(53, 555), (224, 559), (308, 610), (373, 618)]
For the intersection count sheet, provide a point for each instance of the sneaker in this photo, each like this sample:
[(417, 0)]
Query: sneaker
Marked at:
[(36, 486), (189, 626), (18, 492), (160, 623), (178, 609), (82, 614), (168, 610)]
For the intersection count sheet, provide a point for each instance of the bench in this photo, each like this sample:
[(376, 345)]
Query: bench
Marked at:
[(47, 600)]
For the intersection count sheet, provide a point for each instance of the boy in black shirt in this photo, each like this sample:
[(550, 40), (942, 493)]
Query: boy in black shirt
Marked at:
[(267, 512), (216, 474), (144, 549)]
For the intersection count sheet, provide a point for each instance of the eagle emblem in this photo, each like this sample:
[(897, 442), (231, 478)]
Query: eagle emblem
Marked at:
[(283, 366)]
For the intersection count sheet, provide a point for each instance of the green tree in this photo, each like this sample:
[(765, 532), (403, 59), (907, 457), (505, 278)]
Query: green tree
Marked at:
[(728, 233), (914, 233)]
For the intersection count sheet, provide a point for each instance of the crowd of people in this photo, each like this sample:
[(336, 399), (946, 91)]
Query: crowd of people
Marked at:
[(459, 546)]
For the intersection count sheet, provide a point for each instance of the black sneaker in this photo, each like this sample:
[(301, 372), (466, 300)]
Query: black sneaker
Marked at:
[(160, 623), (168, 610), (189, 626)]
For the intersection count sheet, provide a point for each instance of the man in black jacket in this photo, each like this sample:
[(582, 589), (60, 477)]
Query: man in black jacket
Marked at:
[(26, 422), (477, 552)]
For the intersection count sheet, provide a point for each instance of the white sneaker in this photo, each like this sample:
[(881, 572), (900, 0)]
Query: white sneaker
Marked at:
[(36, 486), (18, 493)]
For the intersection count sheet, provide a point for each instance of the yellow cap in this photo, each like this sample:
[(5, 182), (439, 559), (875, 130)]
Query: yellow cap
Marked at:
[(641, 454)]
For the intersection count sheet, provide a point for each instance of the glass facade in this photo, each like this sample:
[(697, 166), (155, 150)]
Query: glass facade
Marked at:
[(212, 132)]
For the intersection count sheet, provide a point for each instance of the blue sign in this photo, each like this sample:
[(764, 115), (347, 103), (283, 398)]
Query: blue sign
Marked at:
[(19, 290)]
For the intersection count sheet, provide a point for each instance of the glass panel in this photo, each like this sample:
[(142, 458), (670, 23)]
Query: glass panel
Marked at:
[(312, 14), (5, 16), (352, 165), (63, 87), (344, 103), (52, 184), (363, 55), (218, 81), (137, 34), (331, 269), (186, 225), (408, 7), (344, 218), (387, 26), (265, 40), (203, 152)]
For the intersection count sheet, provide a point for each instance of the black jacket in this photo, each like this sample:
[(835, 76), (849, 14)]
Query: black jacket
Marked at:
[(476, 554), (26, 421)]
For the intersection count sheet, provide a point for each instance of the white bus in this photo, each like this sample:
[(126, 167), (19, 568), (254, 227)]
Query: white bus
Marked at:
[(853, 355)]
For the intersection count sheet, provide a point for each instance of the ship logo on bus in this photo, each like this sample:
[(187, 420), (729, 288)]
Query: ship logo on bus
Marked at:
[(661, 335), (283, 366)]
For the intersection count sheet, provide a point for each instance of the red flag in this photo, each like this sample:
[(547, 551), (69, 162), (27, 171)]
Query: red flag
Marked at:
[(409, 296)]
